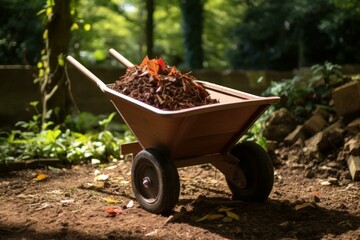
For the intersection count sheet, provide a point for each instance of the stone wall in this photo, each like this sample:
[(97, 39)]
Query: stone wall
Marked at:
[(17, 88)]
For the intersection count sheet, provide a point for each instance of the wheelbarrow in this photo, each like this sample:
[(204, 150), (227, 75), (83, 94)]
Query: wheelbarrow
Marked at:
[(167, 140)]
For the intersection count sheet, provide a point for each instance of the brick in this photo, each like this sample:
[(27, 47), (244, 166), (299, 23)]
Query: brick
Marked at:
[(354, 167), (314, 125), (347, 98)]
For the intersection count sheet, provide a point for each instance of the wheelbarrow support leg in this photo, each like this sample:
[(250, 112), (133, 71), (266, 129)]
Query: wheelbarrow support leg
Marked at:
[(232, 173)]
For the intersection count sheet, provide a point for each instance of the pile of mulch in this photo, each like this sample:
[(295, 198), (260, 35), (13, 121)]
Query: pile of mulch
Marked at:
[(162, 86)]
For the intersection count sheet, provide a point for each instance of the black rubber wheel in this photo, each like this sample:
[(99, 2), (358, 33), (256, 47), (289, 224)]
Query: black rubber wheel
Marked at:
[(258, 170), (155, 181)]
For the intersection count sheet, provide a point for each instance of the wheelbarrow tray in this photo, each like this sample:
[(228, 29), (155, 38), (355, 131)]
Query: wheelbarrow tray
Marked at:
[(192, 132)]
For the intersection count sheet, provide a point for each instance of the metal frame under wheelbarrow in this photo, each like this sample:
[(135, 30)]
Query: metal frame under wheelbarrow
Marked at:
[(168, 140)]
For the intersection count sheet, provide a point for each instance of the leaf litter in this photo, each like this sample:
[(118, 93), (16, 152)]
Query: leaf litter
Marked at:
[(223, 213)]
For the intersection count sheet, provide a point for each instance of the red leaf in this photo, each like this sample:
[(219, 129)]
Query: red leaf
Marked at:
[(161, 64), (113, 211)]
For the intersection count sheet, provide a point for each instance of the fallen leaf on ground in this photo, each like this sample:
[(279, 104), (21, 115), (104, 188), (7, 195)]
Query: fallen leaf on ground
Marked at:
[(224, 209), (232, 215), (40, 177), (114, 210), (111, 200), (211, 217)]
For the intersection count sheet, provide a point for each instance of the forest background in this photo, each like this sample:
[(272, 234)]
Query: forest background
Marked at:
[(193, 34)]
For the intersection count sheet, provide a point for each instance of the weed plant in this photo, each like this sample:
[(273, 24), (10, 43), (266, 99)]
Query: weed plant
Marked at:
[(83, 137)]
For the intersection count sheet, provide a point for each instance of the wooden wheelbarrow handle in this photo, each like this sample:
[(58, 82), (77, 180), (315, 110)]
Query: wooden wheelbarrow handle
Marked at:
[(87, 73), (90, 75), (120, 58)]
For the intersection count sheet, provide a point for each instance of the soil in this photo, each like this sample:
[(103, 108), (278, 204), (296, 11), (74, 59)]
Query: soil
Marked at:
[(75, 203)]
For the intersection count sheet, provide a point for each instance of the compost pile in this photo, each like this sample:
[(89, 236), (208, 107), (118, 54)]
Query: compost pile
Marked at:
[(162, 86)]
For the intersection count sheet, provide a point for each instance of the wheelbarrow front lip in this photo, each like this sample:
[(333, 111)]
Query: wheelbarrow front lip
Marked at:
[(244, 99)]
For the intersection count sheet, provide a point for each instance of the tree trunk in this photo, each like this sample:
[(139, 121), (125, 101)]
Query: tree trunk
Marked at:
[(192, 11), (56, 93), (150, 7)]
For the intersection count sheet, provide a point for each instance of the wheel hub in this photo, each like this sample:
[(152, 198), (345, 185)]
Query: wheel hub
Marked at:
[(146, 182)]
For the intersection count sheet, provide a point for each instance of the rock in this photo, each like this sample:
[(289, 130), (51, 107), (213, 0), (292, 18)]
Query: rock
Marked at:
[(353, 146), (295, 135), (354, 167), (332, 164), (346, 98), (354, 126), (279, 125), (338, 125), (324, 113), (331, 140), (325, 141), (313, 125), (341, 156), (312, 143)]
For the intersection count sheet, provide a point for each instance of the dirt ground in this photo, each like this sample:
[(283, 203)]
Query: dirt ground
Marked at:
[(75, 204)]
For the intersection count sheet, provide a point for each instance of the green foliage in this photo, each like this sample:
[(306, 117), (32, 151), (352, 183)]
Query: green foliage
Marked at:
[(271, 34), (33, 140), (300, 95), (20, 32), (254, 134), (120, 24), (308, 90), (281, 34)]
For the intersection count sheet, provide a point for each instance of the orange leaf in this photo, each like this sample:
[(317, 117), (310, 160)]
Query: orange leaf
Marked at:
[(161, 64), (113, 211), (152, 66), (172, 71), (40, 177), (144, 61)]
